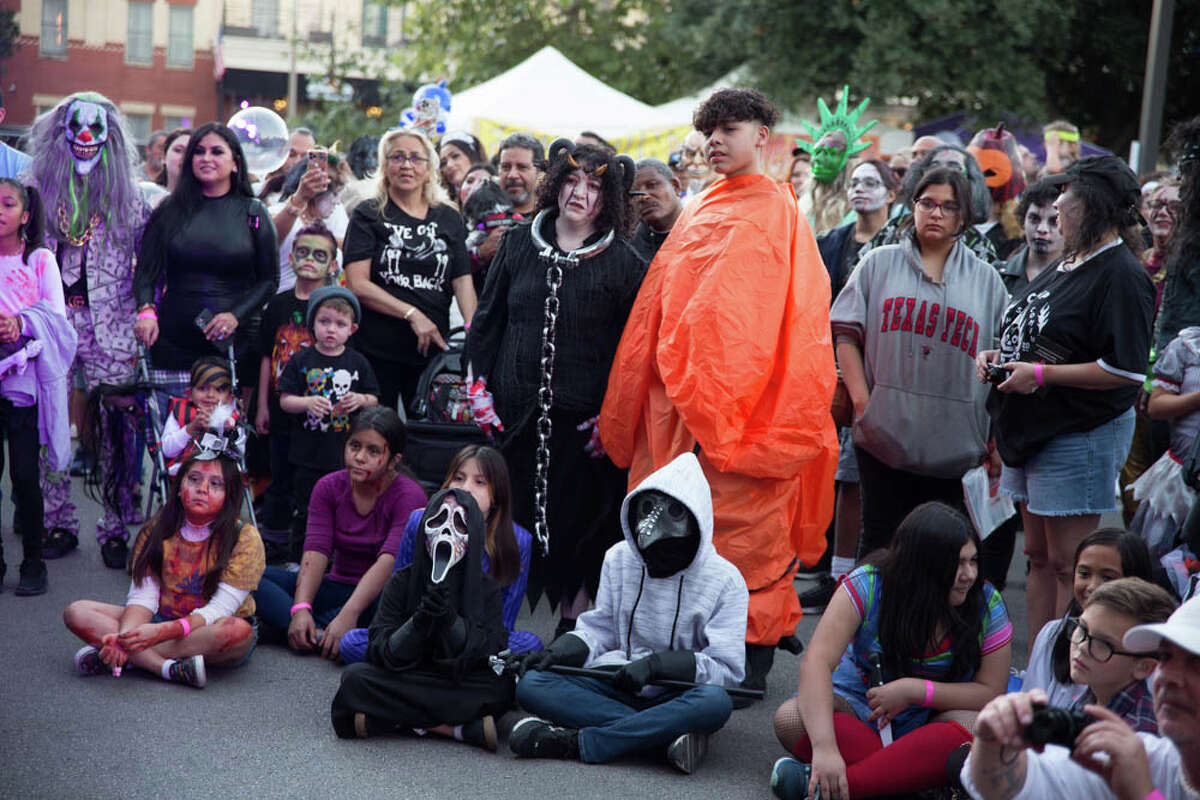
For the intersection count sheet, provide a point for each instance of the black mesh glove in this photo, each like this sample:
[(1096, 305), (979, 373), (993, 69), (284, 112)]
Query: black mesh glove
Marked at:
[(568, 650), (676, 665)]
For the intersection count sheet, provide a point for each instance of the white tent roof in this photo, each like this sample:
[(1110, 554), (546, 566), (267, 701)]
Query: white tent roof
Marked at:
[(550, 94)]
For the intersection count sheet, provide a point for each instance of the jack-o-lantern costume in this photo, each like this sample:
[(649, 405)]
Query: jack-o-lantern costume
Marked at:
[(728, 349)]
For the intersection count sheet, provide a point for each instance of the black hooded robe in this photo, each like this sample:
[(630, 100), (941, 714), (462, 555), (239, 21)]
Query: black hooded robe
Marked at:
[(432, 690)]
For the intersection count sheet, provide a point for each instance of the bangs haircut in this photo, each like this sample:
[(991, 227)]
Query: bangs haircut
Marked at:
[(734, 105), (615, 212)]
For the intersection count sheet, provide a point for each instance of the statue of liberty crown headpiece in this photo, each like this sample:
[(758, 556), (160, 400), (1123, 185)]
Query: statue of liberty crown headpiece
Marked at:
[(846, 122)]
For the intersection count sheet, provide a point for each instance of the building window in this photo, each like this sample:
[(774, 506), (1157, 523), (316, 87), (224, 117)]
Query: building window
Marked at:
[(139, 39), (266, 17), (374, 18), (54, 28), (180, 50), (139, 126), (171, 123)]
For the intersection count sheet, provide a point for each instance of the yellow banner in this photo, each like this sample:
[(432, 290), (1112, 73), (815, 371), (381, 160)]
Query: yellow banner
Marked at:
[(656, 143)]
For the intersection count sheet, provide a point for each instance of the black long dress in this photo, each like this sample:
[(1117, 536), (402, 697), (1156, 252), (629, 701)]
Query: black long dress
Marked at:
[(505, 344), (435, 689)]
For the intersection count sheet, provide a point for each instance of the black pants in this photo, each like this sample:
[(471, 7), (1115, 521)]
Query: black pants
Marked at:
[(889, 494), (303, 481), (396, 380), (20, 427)]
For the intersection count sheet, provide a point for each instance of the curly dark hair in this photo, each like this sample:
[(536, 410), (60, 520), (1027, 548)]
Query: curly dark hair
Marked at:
[(734, 105), (1184, 143), (1103, 210), (615, 212), (1042, 193)]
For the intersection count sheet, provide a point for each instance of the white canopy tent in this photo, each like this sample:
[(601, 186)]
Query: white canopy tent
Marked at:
[(549, 93)]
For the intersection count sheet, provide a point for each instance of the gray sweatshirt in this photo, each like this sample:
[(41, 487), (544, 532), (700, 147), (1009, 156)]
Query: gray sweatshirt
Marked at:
[(919, 341)]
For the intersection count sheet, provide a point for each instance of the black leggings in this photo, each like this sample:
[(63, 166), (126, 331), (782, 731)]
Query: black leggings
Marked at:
[(888, 495), (20, 427)]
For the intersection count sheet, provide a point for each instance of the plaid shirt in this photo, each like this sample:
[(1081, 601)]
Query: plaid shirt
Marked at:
[(1134, 704)]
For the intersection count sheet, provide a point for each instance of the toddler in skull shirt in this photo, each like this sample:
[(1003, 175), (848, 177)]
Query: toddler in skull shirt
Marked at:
[(321, 387)]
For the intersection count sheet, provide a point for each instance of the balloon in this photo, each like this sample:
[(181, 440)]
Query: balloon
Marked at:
[(264, 138)]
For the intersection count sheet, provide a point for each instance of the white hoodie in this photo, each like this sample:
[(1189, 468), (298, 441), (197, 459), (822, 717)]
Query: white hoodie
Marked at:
[(701, 608)]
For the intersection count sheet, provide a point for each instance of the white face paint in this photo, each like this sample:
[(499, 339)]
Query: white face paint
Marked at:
[(866, 191), (87, 132)]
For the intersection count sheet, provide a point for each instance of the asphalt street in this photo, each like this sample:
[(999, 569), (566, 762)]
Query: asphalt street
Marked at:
[(263, 731)]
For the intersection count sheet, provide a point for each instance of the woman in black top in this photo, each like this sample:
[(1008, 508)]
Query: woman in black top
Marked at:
[(211, 247), (405, 252), (577, 240), (1074, 343)]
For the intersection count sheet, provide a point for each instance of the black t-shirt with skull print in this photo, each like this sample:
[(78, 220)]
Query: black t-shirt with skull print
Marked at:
[(1100, 311), (414, 260), (318, 442)]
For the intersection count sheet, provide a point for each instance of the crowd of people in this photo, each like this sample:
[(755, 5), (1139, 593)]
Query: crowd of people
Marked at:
[(687, 379)]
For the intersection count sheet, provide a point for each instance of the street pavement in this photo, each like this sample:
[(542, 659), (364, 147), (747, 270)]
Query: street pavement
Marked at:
[(263, 731)]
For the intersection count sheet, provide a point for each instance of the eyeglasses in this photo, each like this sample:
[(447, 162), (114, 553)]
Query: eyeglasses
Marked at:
[(928, 205), (195, 480), (866, 183), (1098, 649), (318, 255), (400, 159)]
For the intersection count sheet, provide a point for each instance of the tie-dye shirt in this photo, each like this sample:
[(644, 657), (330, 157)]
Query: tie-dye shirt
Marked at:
[(851, 678), (181, 584)]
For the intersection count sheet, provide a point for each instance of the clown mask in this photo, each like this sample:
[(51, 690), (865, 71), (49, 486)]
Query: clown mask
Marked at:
[(87, 132), (445, 537)]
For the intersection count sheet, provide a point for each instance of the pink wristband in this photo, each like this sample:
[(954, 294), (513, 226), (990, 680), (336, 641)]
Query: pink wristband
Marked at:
[(1038, 377), (187, 628), (147, 313), (928, 694), (1155, 795), (299, 606)]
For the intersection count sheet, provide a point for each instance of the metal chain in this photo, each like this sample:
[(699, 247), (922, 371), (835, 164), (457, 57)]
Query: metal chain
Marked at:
[(554, 276)]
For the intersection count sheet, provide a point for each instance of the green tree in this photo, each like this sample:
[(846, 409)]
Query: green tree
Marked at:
[(9, 31)]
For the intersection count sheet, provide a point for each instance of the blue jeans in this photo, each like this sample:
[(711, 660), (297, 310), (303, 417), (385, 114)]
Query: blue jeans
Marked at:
[(274, 599), (611, 722)]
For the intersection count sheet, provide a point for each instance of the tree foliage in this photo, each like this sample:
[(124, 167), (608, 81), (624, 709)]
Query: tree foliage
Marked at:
[(1025, 59)]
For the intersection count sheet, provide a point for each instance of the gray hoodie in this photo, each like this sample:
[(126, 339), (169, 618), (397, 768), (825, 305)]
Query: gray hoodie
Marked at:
[(919, 341), (702, 608)]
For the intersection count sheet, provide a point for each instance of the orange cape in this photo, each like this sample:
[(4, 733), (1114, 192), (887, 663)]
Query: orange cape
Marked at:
[(728, 346)]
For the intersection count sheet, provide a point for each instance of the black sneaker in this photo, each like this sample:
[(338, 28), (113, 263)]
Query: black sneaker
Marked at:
[(686, 752), (481, 733), (816, 599), (33, 579), (190, 671), (115, 553), (87, 662), (57, 542), (789, 779), (536, 738)]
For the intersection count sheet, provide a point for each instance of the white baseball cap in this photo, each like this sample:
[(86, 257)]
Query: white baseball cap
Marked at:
[(1182, 628)]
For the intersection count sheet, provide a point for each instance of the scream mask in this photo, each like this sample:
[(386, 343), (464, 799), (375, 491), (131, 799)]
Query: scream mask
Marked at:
[(445, 537), (837, 139), (665, 530), (86, 130)]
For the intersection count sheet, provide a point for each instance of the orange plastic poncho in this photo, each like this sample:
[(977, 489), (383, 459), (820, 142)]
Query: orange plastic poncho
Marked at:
[(728, 346)]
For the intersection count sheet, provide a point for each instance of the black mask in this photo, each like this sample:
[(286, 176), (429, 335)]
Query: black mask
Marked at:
[(665, 530)]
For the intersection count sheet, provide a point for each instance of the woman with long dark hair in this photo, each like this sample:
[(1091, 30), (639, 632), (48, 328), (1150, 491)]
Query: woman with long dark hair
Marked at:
[(189, 605), (479, 470), (907, 326), (909, 649), (210, 248), (1074, 344), (554, 306)]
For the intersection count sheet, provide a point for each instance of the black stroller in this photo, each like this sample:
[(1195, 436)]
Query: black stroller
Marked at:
[(439, 423)]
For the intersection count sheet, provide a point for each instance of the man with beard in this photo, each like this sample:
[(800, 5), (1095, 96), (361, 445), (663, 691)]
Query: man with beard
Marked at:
[(656, 202), (1043, 241), (699, 173), (521, 160)]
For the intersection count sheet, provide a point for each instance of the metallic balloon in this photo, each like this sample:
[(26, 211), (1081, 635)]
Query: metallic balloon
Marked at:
[(264, 138)]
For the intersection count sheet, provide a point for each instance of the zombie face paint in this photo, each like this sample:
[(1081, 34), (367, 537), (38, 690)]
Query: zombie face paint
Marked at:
[(202, 492), (1041, 231), (445, 537), (313, 256), (867, 191), (695, 164), (829, 156), (86, 130)]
